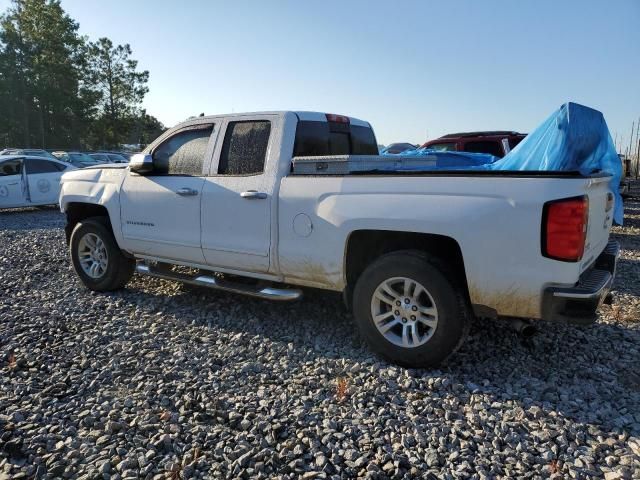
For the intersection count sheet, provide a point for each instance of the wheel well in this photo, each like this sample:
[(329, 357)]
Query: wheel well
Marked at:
[(364, 246), (77, 212)]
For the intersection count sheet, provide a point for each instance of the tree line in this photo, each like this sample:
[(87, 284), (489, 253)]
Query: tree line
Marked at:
[(59, 89)]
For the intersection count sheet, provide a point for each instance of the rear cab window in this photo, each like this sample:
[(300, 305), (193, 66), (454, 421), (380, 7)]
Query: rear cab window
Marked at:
[(320, 138)]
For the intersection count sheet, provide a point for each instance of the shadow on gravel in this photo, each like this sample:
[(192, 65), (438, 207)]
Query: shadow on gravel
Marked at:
[(626, 271), (552, 371), (547, 372), (587, 374)]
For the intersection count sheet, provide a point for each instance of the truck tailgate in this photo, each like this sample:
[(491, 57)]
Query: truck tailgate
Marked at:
[(600, 218)]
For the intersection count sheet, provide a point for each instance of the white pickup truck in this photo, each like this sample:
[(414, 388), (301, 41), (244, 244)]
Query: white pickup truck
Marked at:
[(416, 254)]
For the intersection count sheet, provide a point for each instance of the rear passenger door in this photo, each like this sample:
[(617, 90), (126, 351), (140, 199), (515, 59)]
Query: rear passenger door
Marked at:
[(237, 197)]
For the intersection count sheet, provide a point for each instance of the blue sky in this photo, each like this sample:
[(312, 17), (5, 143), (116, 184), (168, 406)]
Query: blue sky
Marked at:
[(415, 69)]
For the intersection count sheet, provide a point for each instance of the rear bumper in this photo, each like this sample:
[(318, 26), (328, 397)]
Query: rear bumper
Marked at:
[(578, 304)]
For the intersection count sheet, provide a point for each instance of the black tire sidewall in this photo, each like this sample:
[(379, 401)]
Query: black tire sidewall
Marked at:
[(451, 317), (97, 227)]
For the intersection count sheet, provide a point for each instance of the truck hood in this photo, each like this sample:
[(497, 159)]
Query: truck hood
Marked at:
[(108, 172)]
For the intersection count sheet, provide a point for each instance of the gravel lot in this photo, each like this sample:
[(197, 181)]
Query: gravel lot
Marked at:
[(161, 381)]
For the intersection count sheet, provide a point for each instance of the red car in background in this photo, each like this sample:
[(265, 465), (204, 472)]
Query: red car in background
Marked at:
[(497, 143)]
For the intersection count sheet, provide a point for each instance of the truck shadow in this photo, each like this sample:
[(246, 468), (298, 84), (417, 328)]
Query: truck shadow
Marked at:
[(583, 373), (626, 270)]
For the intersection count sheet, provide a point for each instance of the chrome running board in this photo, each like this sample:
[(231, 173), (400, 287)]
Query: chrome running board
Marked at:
[(208, 281)]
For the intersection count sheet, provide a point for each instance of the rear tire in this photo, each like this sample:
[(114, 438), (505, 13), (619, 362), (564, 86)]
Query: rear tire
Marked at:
[(421, 316), (96, 258)]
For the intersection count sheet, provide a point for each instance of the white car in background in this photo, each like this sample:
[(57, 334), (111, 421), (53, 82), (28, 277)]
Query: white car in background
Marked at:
[(77, 159), (34, 152), (105, 157), (28, 181)]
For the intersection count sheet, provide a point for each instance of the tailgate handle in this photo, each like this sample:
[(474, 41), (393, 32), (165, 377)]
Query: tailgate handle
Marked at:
[(610, 202)]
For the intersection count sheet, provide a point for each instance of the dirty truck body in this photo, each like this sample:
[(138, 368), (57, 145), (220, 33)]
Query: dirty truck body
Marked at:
[(416, 255)]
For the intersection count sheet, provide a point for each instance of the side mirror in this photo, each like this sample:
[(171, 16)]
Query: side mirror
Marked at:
[(141, 163)]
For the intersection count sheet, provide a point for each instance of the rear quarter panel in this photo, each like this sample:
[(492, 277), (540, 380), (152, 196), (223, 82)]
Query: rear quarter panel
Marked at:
[(496, 221)]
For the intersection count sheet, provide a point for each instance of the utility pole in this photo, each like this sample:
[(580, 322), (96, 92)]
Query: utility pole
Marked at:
[(638, 160), (631, 143), (634, 163)]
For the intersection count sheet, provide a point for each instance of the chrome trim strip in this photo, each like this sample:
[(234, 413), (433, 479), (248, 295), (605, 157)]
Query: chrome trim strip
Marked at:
[(269, 293)]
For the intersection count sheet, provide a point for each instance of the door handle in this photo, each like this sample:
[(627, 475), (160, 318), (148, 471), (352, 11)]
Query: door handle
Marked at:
[(186, 192), (253, 195), (14, 183)]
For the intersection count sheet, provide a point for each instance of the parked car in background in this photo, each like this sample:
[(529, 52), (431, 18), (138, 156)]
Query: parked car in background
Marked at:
[(36, 152), (78, 159), (497, 143), (399, 147), (108, 157), (27, 181)]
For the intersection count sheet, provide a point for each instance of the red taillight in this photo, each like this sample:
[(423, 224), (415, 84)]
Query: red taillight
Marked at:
[(332, 117), (564, 228)]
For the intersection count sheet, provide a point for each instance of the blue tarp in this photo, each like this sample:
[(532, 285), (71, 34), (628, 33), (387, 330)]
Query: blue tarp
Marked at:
[(574, 138)]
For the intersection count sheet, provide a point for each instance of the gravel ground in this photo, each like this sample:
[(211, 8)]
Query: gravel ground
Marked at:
[(161, 381)]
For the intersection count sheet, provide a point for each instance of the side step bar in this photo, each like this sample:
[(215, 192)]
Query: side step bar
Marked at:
[(269, 293)]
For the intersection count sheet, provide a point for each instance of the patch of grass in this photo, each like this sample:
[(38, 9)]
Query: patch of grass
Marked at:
[(342, 387)]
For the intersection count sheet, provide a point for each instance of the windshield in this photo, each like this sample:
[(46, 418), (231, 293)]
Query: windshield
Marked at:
[(442, 147), (39, 153), (81, 157)]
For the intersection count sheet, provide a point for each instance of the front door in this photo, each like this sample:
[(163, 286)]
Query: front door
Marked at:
[(160, 211), (237, 198), (11, 183), (43, 180)]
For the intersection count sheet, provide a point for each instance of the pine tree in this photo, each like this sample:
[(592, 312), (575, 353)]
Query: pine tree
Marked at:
[(41, 67), (120, 88)]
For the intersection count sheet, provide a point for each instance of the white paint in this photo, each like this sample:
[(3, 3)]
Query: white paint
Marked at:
[(29, 189), (302, 225), (496, 220)]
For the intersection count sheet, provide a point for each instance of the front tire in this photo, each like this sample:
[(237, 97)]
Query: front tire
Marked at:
[(409, 310), (96, 258)]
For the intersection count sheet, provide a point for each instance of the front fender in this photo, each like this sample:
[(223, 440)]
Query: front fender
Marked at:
[(103, 192)]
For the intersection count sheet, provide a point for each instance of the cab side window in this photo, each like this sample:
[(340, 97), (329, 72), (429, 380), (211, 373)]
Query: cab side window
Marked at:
[(41, 166), (183, 153), (245, 148), (11, 167)]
